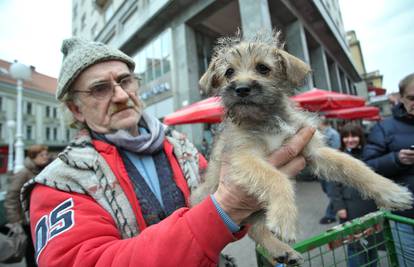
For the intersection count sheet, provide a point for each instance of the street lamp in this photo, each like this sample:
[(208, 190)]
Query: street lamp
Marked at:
[(11, 124), (20, 72)]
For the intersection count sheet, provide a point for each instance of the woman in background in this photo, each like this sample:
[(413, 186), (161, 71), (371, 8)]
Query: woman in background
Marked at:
[(37, 158), (349, 204)]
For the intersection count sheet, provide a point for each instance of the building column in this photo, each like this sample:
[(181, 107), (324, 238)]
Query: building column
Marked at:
[(320, 69), (297, 46), (185, 76), (255, 17), (335, 78)]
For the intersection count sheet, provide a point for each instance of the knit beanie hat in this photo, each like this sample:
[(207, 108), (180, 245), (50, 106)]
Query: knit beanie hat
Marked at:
[(79, 54)]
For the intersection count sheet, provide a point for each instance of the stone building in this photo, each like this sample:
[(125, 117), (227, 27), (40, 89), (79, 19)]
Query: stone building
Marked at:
[(171, 41), (42, 122)]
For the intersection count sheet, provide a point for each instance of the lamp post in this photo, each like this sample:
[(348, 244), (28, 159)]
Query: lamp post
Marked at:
[(20, 72), (11, 124)]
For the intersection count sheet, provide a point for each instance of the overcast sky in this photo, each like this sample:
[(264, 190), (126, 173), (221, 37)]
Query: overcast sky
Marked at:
[(385, 29), (32, 32)]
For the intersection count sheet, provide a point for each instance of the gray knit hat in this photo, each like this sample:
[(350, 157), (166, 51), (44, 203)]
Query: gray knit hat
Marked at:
[(80, 54)]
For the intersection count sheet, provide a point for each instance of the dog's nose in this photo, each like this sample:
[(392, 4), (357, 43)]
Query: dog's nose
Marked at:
[(242, 90)]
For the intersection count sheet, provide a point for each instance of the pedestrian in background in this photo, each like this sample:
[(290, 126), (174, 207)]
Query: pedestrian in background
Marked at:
[(389, 152), (37, 158), (118, 195), (348, 202), (333, 140)]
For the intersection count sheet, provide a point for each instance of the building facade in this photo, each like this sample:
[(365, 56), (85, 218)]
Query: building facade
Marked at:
[(42, 121), (171, 41)]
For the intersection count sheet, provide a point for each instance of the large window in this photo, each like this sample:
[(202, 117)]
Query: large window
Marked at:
[(154, 60)]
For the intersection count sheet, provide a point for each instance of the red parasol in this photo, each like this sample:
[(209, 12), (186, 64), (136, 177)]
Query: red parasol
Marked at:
[(321, 100), (365, 112), (208, 110)]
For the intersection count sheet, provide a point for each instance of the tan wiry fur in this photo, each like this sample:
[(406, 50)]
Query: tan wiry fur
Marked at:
[(259, 119)]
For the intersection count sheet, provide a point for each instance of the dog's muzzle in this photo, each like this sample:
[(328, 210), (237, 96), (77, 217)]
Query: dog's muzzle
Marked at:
[(242, 90)]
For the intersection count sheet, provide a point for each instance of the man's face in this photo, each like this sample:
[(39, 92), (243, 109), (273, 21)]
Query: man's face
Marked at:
[(408, 98), (120, 110)]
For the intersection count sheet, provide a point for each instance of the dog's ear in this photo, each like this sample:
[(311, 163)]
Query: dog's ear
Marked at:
[(210, 81), (296, 69)]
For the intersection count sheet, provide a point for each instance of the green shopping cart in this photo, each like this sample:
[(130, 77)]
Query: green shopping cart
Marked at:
[(377, 234)]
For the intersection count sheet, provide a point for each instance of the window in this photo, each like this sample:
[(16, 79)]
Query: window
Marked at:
[(166, 51), (55, 132), (29, 132), (83, 22), (157, 58), (1, 130), (29, 108), (1, 103), (47, 133), (109, 12), (75, 11), (93, 31), (54, 112), (47, 111), (154, 60), (67, 134)]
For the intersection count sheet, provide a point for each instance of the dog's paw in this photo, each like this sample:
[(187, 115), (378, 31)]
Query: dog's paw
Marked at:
[(286, 233), (290, 258), (394, 197), (282, 222)]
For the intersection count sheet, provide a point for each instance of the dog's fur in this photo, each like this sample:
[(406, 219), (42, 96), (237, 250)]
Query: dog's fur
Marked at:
[(255, 79)]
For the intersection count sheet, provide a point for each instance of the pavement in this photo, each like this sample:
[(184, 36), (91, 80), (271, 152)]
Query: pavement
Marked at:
[(311, 202)]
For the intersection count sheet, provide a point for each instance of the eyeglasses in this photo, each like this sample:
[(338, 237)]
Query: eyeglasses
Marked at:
[(105, 90)]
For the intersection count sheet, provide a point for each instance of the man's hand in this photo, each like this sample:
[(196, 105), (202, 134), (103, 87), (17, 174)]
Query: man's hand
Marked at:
[(237, 203), (406, 156), (342, 214)]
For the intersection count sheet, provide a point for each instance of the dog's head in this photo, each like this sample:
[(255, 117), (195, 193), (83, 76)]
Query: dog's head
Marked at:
[(253, 77)]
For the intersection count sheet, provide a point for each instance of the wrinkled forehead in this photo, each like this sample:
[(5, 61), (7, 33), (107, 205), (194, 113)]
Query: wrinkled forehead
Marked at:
[(103, 71)]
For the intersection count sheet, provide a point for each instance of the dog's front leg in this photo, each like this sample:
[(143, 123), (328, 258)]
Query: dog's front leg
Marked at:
[(280, 252), (271, 187), (333, 165)]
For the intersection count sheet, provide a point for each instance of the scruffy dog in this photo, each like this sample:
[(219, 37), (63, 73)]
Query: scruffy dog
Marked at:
[(255, 79)]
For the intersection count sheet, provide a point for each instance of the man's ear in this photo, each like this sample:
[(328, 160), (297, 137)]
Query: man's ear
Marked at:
[(296, 69), (210, 81), (77, 113)]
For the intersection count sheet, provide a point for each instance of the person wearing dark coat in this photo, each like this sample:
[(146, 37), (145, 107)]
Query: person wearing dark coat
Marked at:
[(389, 152), (348, 202)]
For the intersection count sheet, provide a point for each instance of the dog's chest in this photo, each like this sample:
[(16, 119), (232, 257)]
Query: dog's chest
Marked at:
[(274, 141)]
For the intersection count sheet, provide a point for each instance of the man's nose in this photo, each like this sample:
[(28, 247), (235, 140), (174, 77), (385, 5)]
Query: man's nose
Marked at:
[(119, 94)]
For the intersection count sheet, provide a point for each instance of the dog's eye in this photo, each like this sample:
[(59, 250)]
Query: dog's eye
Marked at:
[(262, 69), (229, 73)]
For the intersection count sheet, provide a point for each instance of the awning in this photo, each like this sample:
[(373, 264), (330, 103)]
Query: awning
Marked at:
[(208, 110), (321, 100), (365, 113)]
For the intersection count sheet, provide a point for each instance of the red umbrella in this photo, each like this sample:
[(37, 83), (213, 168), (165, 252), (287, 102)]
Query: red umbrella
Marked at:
[(365, 112), (321, 100), (208, 110)]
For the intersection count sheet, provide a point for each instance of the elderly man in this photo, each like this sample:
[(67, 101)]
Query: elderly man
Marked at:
[(118, 194)]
